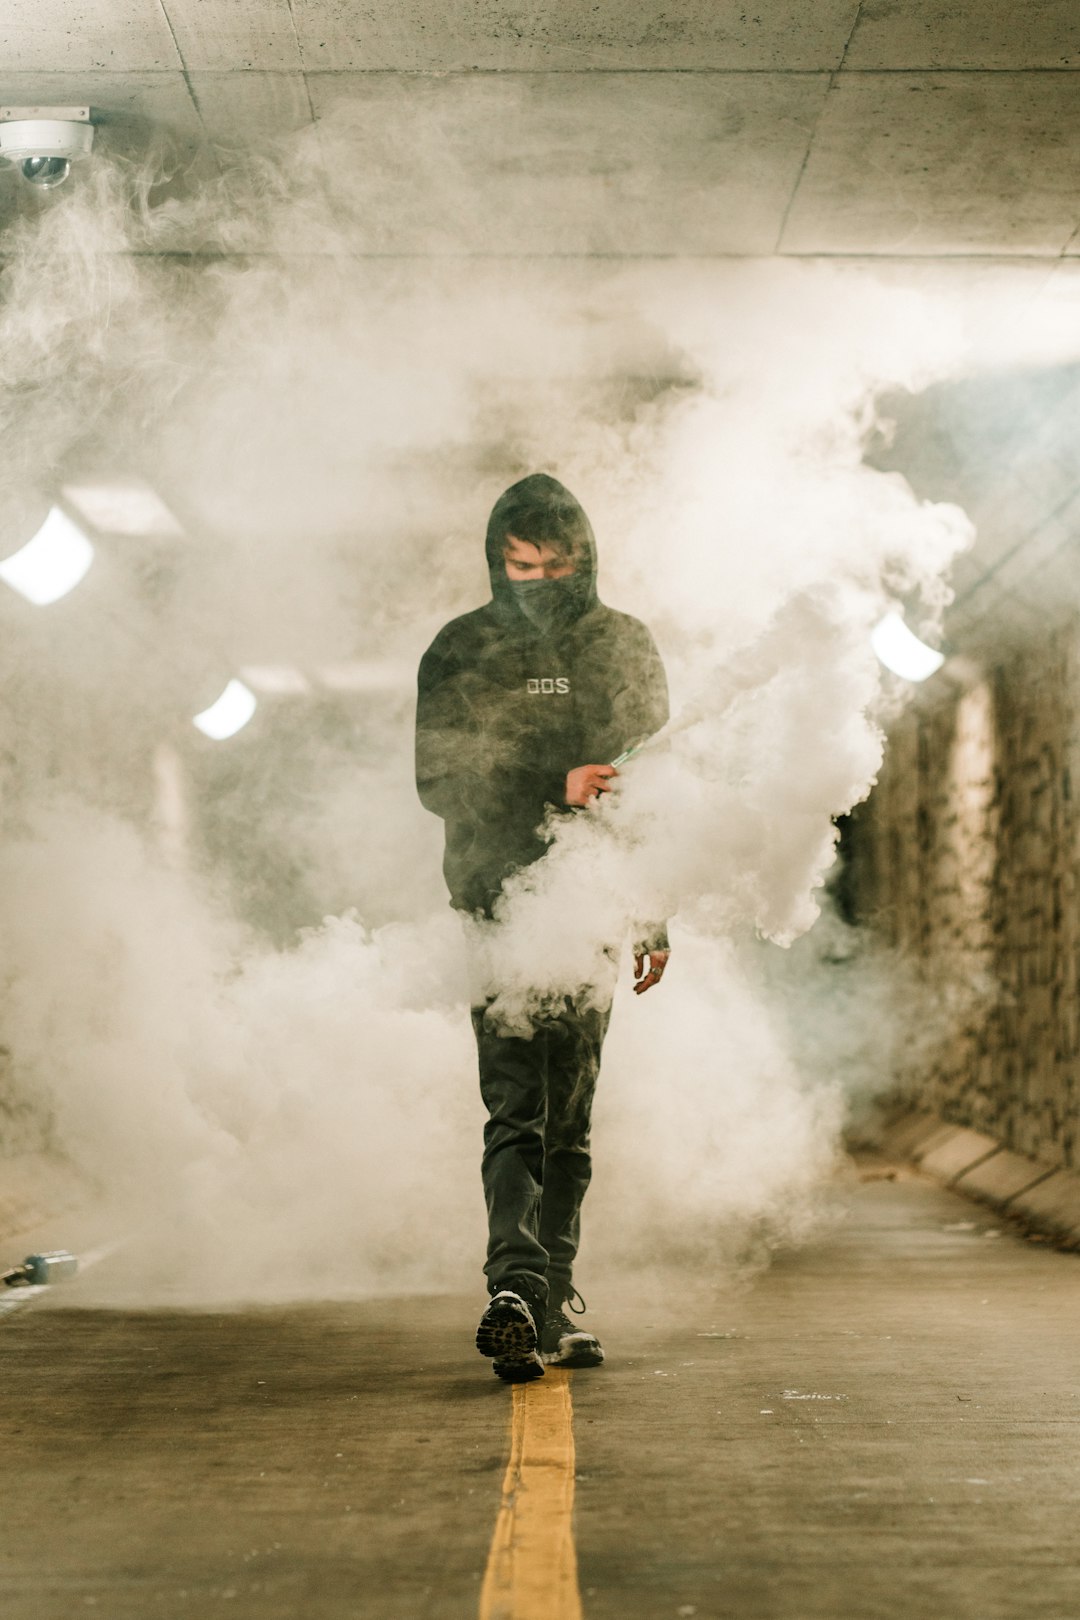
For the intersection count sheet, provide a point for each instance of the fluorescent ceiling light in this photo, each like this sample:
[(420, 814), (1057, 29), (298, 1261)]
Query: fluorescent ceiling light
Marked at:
[(52, 563), (902, 651), (277, 680), (126, 507), (232, 711)]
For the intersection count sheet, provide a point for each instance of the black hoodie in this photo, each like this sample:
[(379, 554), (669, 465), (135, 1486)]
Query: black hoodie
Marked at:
[(505, 710)]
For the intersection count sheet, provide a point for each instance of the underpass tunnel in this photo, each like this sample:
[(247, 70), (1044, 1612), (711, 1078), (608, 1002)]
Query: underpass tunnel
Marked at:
[(964, 856), (789, 300)]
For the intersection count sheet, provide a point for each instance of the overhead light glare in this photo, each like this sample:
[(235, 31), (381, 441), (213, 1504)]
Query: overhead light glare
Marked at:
[(52, 563), (901, 650), (230, 714), (127, 507), (275, 680)]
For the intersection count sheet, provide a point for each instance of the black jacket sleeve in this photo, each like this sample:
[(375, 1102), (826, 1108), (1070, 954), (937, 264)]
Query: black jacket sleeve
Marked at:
[(460, 774), (638, 686), (447, 761)]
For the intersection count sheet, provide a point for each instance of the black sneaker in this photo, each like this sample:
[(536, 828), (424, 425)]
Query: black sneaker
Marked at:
[(563, 1343), (507, 1333)]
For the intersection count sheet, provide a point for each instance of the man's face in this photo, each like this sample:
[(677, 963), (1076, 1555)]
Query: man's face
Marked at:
[(527, 559)]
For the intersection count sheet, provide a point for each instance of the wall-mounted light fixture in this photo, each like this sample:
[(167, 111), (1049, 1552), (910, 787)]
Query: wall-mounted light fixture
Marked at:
[(52, 563), (901, 650), (230, 714)]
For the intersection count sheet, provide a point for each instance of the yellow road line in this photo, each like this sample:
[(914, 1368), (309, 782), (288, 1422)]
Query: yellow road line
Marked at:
[(532, 1565)]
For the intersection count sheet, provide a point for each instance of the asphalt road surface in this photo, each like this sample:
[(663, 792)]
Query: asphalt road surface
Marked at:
[(884, 1424)]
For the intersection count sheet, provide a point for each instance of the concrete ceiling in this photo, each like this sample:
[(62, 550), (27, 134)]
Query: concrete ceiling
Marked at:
[(943, 128), (1006, 448), (916, 131)]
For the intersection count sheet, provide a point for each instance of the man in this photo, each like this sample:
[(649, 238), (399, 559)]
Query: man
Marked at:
[(522, 705)]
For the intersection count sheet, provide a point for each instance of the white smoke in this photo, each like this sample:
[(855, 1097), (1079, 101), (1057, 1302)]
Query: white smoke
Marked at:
[(332, 433)]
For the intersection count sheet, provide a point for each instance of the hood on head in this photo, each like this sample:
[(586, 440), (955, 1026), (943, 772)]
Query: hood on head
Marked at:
[(540, 506)]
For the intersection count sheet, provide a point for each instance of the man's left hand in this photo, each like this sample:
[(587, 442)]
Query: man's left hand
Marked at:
[(657, 964)]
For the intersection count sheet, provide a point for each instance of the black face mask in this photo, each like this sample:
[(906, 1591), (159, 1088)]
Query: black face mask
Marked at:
[(549, 604)]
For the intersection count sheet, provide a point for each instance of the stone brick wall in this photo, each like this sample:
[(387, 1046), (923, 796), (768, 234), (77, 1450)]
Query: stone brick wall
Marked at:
[(967, 857)]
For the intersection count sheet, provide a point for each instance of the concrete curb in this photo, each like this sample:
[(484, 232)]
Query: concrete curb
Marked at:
[(1043, 1198)]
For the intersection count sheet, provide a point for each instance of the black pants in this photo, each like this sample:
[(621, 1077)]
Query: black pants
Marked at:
[(536, 1164)]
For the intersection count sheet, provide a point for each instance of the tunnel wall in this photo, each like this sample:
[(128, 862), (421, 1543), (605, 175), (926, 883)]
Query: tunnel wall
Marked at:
[(966, 856)]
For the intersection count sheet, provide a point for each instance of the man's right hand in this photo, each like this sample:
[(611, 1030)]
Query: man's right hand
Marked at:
[(588, 782)]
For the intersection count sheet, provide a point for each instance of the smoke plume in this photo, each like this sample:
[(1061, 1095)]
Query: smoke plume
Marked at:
[(246, 1023)]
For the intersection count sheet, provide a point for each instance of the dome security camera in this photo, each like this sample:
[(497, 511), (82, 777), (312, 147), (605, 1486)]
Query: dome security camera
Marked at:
[(44, 141)]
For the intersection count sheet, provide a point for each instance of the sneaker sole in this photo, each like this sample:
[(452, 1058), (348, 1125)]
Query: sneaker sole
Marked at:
[(519, 1372), (507, 1335)]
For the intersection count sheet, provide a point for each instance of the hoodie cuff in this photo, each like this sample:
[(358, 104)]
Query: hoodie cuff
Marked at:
[(555, 791), (653, 938)]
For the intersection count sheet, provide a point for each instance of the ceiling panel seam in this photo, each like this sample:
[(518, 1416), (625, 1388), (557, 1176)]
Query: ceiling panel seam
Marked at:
[(300, 59), (192, 97), (172, 36), (777, 248), (945, 72), (1048, 261), (913, 71), (1066, 250), (1007, 556), (851, 36)]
